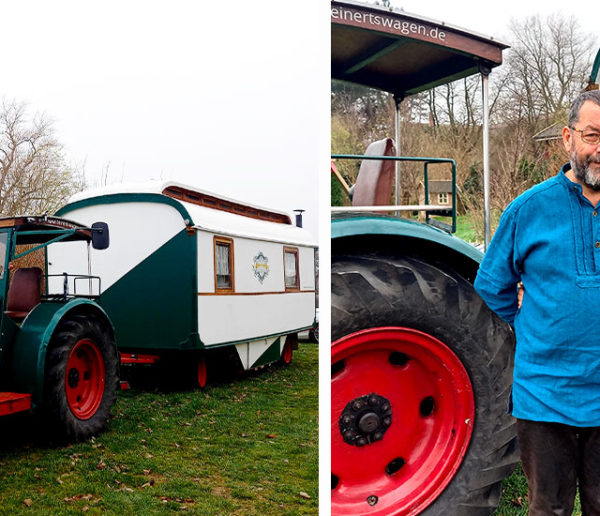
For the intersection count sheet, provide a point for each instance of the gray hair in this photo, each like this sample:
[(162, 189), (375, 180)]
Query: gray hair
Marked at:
[(592, 96)]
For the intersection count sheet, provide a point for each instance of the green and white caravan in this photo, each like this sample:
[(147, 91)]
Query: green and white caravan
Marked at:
[(192, 275)]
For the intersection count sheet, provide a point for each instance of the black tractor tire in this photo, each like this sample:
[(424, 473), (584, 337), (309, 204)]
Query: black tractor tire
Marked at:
[(381, 291), (81, 350)]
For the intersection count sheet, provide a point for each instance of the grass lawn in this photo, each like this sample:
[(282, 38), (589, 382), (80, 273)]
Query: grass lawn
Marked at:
[(245, 445), (514, 496)]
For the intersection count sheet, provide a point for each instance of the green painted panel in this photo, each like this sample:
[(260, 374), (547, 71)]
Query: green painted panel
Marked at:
[(272, 354), (155, 305), (354, 225)]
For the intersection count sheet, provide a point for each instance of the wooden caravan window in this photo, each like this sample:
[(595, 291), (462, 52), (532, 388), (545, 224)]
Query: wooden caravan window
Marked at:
[(290, 263), (224, 280)]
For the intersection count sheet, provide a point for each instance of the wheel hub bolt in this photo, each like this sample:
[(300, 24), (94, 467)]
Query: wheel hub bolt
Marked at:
[(73, 378)]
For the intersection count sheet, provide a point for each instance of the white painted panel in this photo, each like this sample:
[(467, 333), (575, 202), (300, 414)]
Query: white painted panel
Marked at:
[(137, 229), (243, 350), (232, 318), (250, 352), (307, 268), (206, 264), (245, 252)]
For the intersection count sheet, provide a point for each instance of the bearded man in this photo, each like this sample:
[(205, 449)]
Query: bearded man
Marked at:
[(548, 238)]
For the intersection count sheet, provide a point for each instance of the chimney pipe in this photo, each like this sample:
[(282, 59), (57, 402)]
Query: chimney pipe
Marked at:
[(299, 217)]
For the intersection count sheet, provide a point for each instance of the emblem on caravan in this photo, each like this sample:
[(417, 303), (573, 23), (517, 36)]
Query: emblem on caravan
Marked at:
[(261, 266)]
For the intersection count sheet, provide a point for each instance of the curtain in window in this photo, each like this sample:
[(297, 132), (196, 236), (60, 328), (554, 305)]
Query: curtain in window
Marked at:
[(291, 275), (223, 272)]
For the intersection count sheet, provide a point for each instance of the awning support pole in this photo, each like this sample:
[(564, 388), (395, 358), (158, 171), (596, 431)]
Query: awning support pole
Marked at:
[(397, 125), (485, 72)]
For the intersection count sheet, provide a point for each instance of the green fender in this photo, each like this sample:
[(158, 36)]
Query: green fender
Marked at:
[(350, 225), (29, 352)]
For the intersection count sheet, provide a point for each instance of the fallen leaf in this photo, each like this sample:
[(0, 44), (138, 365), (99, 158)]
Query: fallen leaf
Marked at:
[(517, 502), (304, 495), (28, 502), (271, 436)]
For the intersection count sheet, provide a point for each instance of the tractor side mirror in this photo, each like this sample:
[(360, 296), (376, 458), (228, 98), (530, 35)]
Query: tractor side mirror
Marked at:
[(100, 235)]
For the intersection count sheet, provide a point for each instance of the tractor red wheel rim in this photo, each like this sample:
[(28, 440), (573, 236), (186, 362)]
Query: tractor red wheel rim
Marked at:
[(84, 379), (287, 353), (420, 448), (202, 373)]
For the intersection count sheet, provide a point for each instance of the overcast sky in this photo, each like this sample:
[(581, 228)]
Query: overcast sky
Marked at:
[(221, 95), (493, 18)]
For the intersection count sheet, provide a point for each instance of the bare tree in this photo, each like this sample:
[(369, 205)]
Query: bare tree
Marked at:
[(34, 174), (548, 64)]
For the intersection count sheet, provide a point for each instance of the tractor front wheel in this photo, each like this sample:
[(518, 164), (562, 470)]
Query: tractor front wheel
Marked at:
[(421, 371), (81, 377)]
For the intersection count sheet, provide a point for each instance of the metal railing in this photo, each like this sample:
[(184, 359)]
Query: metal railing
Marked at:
[(73, 279), (427, 207)]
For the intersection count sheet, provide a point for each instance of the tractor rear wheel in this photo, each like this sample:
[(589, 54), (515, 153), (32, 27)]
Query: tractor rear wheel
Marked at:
[(421, 371), (81, 377)]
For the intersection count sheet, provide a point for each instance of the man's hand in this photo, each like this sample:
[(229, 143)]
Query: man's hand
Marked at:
[(520, 293)]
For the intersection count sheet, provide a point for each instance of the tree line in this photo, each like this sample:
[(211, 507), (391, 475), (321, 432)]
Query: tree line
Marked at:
[(547, 66)]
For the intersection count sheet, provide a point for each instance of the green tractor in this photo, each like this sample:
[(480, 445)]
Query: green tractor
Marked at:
[(421, 369), (57, 352)]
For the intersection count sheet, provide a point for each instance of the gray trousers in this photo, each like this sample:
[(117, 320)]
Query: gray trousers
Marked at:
[(555, 459)]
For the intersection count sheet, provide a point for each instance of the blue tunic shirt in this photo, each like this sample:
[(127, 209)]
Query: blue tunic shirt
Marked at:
[(549, 238)]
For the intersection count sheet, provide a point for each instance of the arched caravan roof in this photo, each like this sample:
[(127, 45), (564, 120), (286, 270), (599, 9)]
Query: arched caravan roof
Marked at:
[(403, 53), (201, 209)]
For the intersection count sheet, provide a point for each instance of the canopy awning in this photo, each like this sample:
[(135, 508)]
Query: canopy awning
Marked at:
[(403, 53)]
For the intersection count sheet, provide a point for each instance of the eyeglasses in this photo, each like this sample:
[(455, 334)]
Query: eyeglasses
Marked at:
[(589, 136)]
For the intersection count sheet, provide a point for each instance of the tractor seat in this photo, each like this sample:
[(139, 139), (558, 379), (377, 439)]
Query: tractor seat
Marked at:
[(375, 178), (24, 292)]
